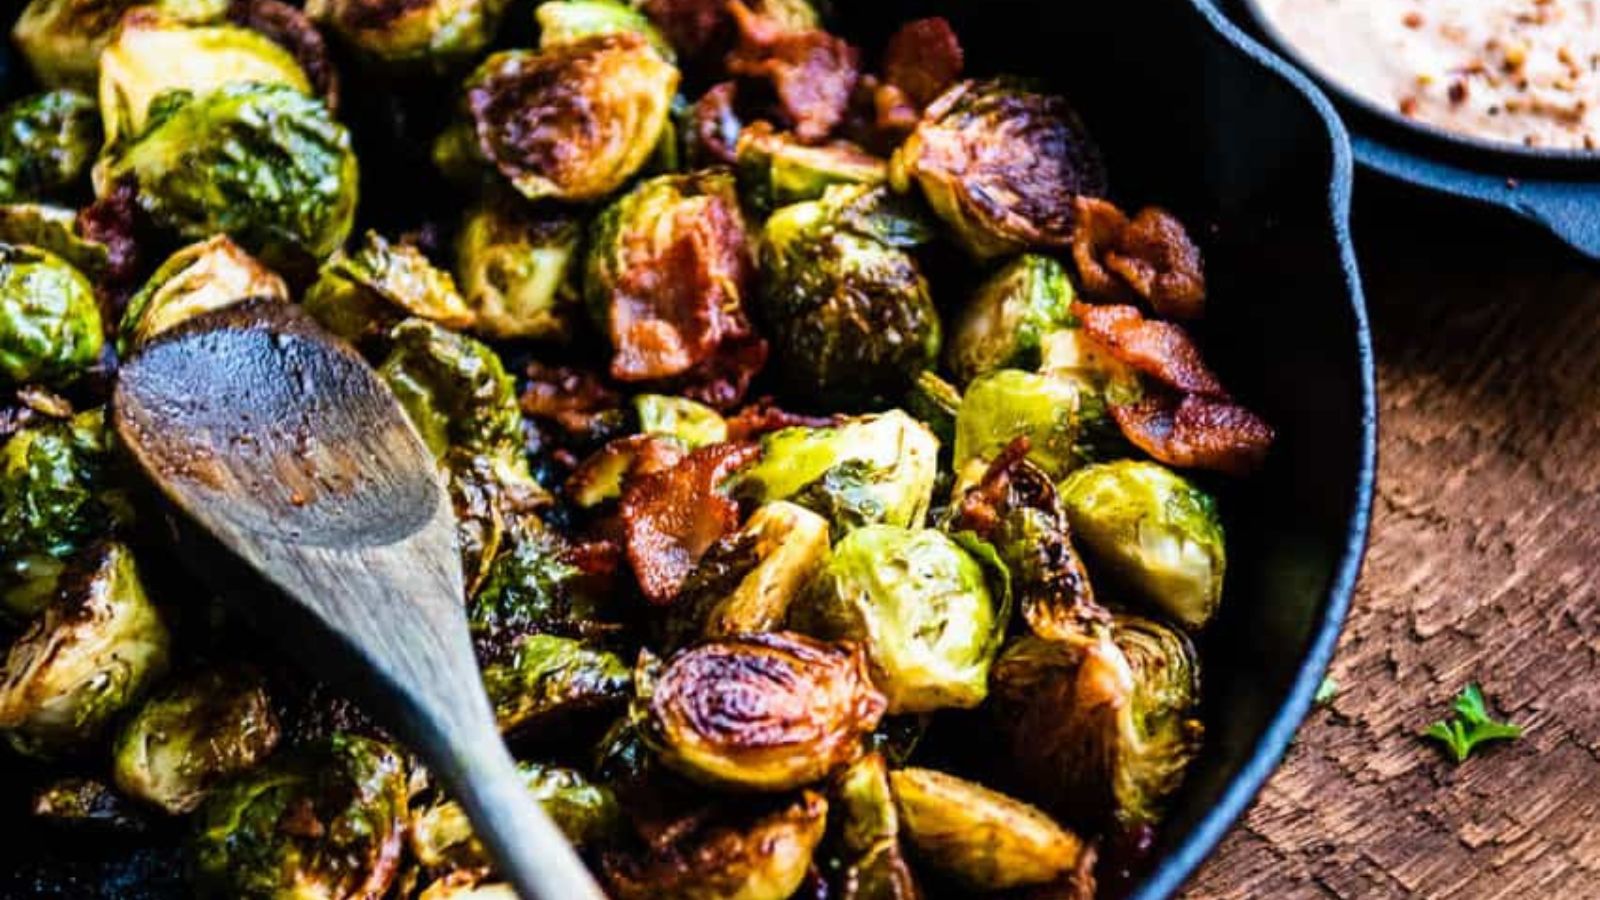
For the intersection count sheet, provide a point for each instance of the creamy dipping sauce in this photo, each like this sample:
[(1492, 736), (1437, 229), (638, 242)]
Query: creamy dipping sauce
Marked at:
[(1512, 71)]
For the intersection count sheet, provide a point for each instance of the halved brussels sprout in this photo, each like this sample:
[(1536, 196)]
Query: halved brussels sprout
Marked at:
[(1101, 732), (1001, 165), (565, 21), (920, 606), (191, 736), (776, 169), (200, 278), (849, 315), (47, 142), (151, 54), (98, 646), (1153, 531), (747, 581), (54, 229), (262, 163), (1064, 417), (518, 271), (982, 838), (692, 424), (56, 497), (49, 319), (327, 821), (545, 677), (496, 500), (533, 588), (62, 39), (363, 294), (1003, 324), (864, 470), (441, 837), (869, 834), (759, 712), (412, 34), (454, 389), (759, 851), (601, 106)]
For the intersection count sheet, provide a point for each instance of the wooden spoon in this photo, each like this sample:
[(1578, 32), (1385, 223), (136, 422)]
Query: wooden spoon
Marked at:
[(284, 447)]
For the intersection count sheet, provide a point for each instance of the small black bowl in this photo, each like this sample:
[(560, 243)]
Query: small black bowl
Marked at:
[(1197, 117)]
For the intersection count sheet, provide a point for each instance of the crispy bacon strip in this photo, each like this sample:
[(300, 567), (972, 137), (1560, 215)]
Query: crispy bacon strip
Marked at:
[(812, 72), (671, 518), (714, 125), (1195, 432), (763, 417), (571, 398), (1162, 350), (722, 380), (1149, 256), (923, 59)]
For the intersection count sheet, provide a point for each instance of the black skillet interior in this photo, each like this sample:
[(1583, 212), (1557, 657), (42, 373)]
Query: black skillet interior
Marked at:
[(1194, 116), (1559, 191)]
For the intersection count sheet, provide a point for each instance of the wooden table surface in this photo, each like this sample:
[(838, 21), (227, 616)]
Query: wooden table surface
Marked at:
[(1483, 566)]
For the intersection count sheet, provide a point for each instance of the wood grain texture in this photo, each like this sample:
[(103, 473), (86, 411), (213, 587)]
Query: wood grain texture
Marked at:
[(1483, 562)]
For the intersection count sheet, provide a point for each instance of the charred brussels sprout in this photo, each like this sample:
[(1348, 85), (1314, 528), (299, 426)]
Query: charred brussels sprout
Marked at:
[(1003, 324), (412, 35), (980, 837), (1064, 418), (546, 676), (869, 834), (192, 735), (202, 277), (1152, 530), (151, 54), (62, 39), (47, 142), (566, 21), (921, 607), (362, 294), (262, 163), (98, 646), (760, 712), (760, 852), (776, 169), (861, 471), (571, 122), (454, 389), (849, 315), (49, 318), (1100, 732), (518, 271), (89, 805), (325, 822), (692, 424), (54, 229), (586, 812), (1001, 165)]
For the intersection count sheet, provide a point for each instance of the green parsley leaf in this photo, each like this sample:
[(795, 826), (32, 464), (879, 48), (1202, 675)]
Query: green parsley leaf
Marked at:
[(1472, 725), (1326, 691)]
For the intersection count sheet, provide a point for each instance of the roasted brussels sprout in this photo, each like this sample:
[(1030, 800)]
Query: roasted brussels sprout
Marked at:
[(692, 424), (1153, 531), (759, 712), (586, 812), (864, 470), (980, 837), (921, 607), (467, 886), (210, 275), (47, 142), (56, 497), (1001, 165), (98, 646), (87, 804), (545, 676), (62, 39), (746, 582), (571, 122), (1100, 733), (1004, 322), (565, 21), (263, 163), (191, 736), (412, 35), (326, 821), (760, 852), (666, 276), (454, 388), (935, 403), (151, 54), (518, 271), (362, 294), (1064, 417), (849, 316), (49, 318), (54, 229), (869, 834), (776, 169)]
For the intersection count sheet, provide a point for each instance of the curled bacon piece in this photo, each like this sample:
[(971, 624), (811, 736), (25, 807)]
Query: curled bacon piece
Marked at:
[(1196, 432), (723, 378), (714, 126), (291, 29), (1162, 350), (575, 399), (599, 477), (671, 518), (763, 417), (1150, 256), (923, 59), (812, 72)]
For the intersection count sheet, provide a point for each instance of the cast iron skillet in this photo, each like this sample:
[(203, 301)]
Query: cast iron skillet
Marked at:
[(1558, 190), (1196, 116)]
